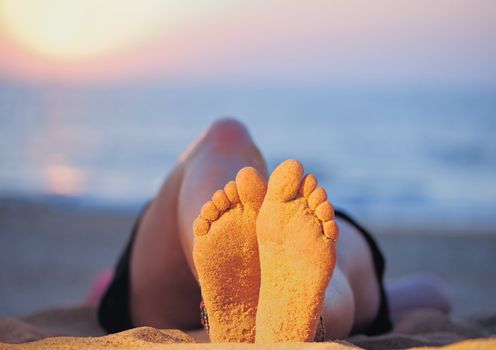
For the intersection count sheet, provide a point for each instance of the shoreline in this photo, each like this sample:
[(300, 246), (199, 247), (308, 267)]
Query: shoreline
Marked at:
[(379, 222), (49, 255)]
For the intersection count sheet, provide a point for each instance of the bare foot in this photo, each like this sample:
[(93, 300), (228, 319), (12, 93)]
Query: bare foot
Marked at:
[(225, 254), (296, 239)]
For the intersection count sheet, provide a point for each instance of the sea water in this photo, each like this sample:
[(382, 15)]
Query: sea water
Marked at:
[(417, 156)]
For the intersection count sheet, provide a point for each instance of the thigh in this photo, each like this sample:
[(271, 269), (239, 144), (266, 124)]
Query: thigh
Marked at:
[(339, 307), (354, 259)]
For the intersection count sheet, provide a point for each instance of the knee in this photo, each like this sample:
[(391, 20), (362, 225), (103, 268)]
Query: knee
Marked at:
[(228, 132)]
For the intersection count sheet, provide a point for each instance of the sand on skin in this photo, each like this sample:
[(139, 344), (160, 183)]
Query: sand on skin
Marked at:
[(226, 257), (65, 234), (296, 237)]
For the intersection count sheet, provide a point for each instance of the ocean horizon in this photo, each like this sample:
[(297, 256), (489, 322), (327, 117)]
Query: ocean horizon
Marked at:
[(396, 156)]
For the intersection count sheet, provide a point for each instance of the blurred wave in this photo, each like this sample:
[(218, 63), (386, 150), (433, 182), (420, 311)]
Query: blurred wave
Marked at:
[(407, 156)]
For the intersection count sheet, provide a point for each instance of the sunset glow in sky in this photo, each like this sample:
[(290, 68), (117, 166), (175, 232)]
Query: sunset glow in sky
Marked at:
[(352, 41), (73, 29), (67, 29)]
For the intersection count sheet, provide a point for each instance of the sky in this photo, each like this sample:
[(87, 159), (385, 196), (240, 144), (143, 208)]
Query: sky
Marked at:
[(444, 42)]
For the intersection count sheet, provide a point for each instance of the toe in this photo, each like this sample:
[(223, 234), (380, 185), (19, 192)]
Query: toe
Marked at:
[(324, 211), (316, 197), (308, 185), (209, 211), (200, 226), (285, 181), (221, 201), (251, 187), (232, 192), (331, 230)]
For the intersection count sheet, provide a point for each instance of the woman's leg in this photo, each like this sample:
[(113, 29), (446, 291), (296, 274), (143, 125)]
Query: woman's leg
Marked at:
[(164, 289), (353, 295), (417, 291), (355, 271)]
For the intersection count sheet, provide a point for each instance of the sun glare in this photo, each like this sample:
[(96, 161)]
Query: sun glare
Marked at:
[(82, 28), (64, 180)]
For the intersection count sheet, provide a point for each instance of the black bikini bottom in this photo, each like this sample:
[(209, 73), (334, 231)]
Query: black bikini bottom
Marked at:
[(114, 312)]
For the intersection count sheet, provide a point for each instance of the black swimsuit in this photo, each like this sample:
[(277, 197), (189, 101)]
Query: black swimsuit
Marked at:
[(114, 312)]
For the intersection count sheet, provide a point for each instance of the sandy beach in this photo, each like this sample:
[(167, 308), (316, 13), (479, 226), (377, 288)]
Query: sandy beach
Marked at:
[(50, 254), (390, 106)]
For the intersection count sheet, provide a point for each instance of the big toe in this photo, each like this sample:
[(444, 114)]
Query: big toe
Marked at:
[(251, 187), (285, 181)]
